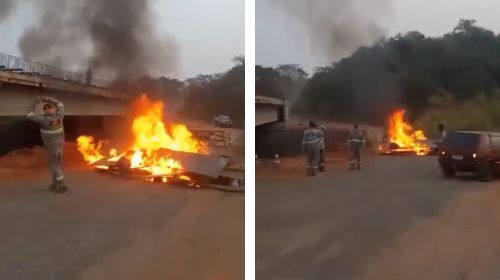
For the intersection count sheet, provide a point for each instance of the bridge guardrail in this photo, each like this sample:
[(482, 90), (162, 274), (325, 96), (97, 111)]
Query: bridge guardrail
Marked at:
[(13, 62)]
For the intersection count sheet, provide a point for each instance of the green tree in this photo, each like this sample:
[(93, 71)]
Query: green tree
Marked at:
[(406, 71), (218, 94)]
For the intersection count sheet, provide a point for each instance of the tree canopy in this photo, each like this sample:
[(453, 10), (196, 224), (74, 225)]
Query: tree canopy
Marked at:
[(202, 97), (406, 70), (285, 81), (217, 94)]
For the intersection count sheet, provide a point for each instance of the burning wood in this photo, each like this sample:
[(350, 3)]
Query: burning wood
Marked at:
[(157, 152), (402, 138)]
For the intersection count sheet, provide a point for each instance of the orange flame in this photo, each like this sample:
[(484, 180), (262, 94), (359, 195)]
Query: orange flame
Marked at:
[(403, 134), (150, 135), (91, 152)]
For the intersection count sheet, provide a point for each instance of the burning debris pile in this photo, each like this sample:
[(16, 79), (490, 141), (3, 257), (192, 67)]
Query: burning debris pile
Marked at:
[(402, 138), (157, 151)]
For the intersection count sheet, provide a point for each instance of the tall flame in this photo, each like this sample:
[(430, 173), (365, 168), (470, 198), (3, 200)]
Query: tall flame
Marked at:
[(149, 135), (403, 134)]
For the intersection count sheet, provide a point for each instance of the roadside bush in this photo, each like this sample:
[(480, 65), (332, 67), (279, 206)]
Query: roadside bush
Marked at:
[(479, 113)]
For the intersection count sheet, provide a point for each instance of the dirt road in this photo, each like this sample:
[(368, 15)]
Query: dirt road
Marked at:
[(397, 219), (112, 228)]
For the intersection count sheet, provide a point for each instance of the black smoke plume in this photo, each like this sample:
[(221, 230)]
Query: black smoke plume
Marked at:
[(338, 27), (116, 38)]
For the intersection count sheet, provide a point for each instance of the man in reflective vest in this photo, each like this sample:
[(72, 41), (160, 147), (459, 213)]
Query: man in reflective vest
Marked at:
[(442, 132), (356, 140), (52, 131), (311, 143)]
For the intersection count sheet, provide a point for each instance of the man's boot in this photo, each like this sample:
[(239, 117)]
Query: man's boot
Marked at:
[(313, 171), (59, 187), (322, 168), (358, 166), (309, 173), (351, 166)]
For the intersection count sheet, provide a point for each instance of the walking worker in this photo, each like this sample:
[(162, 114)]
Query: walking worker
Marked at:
[(88, 76), (356, 140), (52, 132), (311, 143), (322, 150)]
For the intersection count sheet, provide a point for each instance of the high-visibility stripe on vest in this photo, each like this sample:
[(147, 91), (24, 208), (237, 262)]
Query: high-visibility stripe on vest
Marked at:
[(311, 142), (52, 131)]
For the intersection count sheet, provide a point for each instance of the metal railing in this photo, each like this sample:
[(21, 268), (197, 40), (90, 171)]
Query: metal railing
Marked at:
[(26, 65)]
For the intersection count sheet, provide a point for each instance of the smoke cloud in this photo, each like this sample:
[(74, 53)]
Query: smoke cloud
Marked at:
[(338, 27), (116, 38), (6, 6)]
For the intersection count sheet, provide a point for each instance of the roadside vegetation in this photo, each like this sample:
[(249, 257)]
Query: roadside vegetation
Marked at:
[(478, 113), (452, 79)]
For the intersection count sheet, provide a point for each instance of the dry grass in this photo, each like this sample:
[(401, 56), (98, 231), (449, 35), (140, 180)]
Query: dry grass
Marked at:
[(480, 113)]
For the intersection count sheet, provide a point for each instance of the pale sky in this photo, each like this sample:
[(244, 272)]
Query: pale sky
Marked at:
[(208, 33), (280, 39)]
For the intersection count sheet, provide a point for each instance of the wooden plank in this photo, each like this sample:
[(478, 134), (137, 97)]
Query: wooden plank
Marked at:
[(198, 164), (205, 165)]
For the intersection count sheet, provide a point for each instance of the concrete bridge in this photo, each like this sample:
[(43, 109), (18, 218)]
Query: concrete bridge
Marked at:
[(90, 108), (270, 110), (271, 129), (22, 79)]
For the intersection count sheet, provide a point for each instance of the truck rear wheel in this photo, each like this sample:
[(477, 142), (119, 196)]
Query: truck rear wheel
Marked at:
[(485, 172), (448, 170)]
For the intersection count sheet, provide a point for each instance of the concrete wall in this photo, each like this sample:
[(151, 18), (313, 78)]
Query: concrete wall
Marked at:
[(14, 100), (276, 138), (19, 132)]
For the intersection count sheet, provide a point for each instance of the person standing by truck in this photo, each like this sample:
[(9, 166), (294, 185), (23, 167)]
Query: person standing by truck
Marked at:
[(442, 132), (88, 76)]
